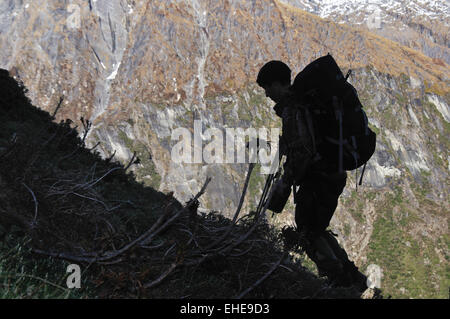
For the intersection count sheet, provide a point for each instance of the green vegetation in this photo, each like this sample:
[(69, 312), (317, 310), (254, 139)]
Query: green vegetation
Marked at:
[(411, 261), (146, 170), (254, 110), (22, 276), (256, 185), (401, 100), (347, 229), (355, 204), (443, 139), (408, 262), (388, 117), (244, 111), (375, 129)]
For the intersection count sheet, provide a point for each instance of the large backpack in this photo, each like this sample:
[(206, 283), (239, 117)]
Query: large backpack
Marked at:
[(335, 117)]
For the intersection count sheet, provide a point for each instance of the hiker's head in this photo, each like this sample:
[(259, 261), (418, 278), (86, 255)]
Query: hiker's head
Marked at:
[(275, 78)]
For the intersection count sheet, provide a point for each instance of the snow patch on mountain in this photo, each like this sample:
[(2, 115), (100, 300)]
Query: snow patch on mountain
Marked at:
[(434, 9)]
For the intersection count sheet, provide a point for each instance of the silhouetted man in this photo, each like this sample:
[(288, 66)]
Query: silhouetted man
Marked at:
[(320, 184)]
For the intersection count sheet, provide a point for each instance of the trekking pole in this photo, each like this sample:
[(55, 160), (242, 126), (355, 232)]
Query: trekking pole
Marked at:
[(266, 188), (272, 178), (338, 113), (362, 173)]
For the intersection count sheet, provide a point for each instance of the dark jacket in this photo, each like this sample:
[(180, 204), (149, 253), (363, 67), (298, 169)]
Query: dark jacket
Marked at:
[(295, 141)]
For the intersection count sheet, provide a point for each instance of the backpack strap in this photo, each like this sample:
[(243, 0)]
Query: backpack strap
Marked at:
[(362, 173), (348, 74), (310, 126), (366, 122), (355, 157), (337, 105)]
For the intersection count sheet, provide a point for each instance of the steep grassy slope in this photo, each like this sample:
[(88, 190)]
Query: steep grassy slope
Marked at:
[(60, 203)]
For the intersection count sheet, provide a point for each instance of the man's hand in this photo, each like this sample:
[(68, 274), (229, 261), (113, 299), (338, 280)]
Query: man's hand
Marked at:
[(280, 194)]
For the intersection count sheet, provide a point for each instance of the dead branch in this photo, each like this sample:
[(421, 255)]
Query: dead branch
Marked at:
[(153, 247), (142, 240), (111, 157), (87, 126), (35, 204), (98, 201), (66, 256), (138, 240), (106, 263), (92, 170), (255, 224), (170, 248), (98, 180), (115, 256), (238, 209), (61, 99), (191, 202), (95, 257), (162, 277), (93, 147), (244, 252), (131, 161), (287, 268), (190, 233), (271, 270), (214, 230)]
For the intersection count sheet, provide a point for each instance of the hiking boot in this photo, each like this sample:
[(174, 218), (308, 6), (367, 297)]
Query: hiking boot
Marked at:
[(327, 263), (357, 279)]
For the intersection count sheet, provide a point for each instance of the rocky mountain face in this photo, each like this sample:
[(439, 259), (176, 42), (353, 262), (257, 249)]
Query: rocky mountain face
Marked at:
[(423, 25), (140, 69)]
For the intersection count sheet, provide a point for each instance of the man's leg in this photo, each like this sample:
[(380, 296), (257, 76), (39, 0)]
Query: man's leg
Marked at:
[(334, 188), (316, 201), (357, 278)]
